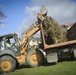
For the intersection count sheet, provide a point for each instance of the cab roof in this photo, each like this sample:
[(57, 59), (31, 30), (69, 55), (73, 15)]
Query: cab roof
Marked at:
[(8, 35)]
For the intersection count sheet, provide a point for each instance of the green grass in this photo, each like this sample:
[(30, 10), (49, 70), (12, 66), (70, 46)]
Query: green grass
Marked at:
[(62, 68)]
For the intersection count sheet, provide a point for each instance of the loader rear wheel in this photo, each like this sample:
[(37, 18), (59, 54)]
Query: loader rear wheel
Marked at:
[(7, 64), (34, 58)]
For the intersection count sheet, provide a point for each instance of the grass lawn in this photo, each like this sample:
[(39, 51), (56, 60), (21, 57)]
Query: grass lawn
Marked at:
[(61, 68)]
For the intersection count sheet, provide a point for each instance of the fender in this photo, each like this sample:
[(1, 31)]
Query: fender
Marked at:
[(7, 52)]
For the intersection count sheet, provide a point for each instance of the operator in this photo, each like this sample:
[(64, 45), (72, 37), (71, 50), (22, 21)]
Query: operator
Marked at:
[(52, 28), (8, 43)]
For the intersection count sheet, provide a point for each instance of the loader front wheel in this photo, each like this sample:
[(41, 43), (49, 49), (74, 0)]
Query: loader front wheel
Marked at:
[(34, 58), (7, 64)]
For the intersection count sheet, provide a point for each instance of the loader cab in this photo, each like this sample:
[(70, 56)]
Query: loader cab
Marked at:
[(9, 41)]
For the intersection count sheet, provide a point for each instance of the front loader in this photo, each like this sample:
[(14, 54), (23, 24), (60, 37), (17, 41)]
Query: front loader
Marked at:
[(11, 57)]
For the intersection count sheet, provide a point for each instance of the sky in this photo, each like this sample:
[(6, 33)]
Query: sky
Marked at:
[(22, 13)]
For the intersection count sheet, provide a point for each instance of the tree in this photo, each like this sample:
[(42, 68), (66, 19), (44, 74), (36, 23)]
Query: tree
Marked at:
[(2, 16)]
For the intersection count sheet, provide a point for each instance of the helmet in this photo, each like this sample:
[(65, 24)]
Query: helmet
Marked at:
[(43, 10)]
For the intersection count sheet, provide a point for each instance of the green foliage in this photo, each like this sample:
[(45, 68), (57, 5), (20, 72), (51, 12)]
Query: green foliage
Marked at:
[(57, 33), (62, 68)]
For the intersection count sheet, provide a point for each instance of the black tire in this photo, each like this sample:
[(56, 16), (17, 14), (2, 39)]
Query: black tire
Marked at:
[(7, 64), (34, 58), (17, 65)]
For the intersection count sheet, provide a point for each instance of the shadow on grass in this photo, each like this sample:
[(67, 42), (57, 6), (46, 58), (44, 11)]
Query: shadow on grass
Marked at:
[(24, 65)]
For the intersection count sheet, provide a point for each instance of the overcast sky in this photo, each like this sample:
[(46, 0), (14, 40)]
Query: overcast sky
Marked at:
[(63, 11)]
